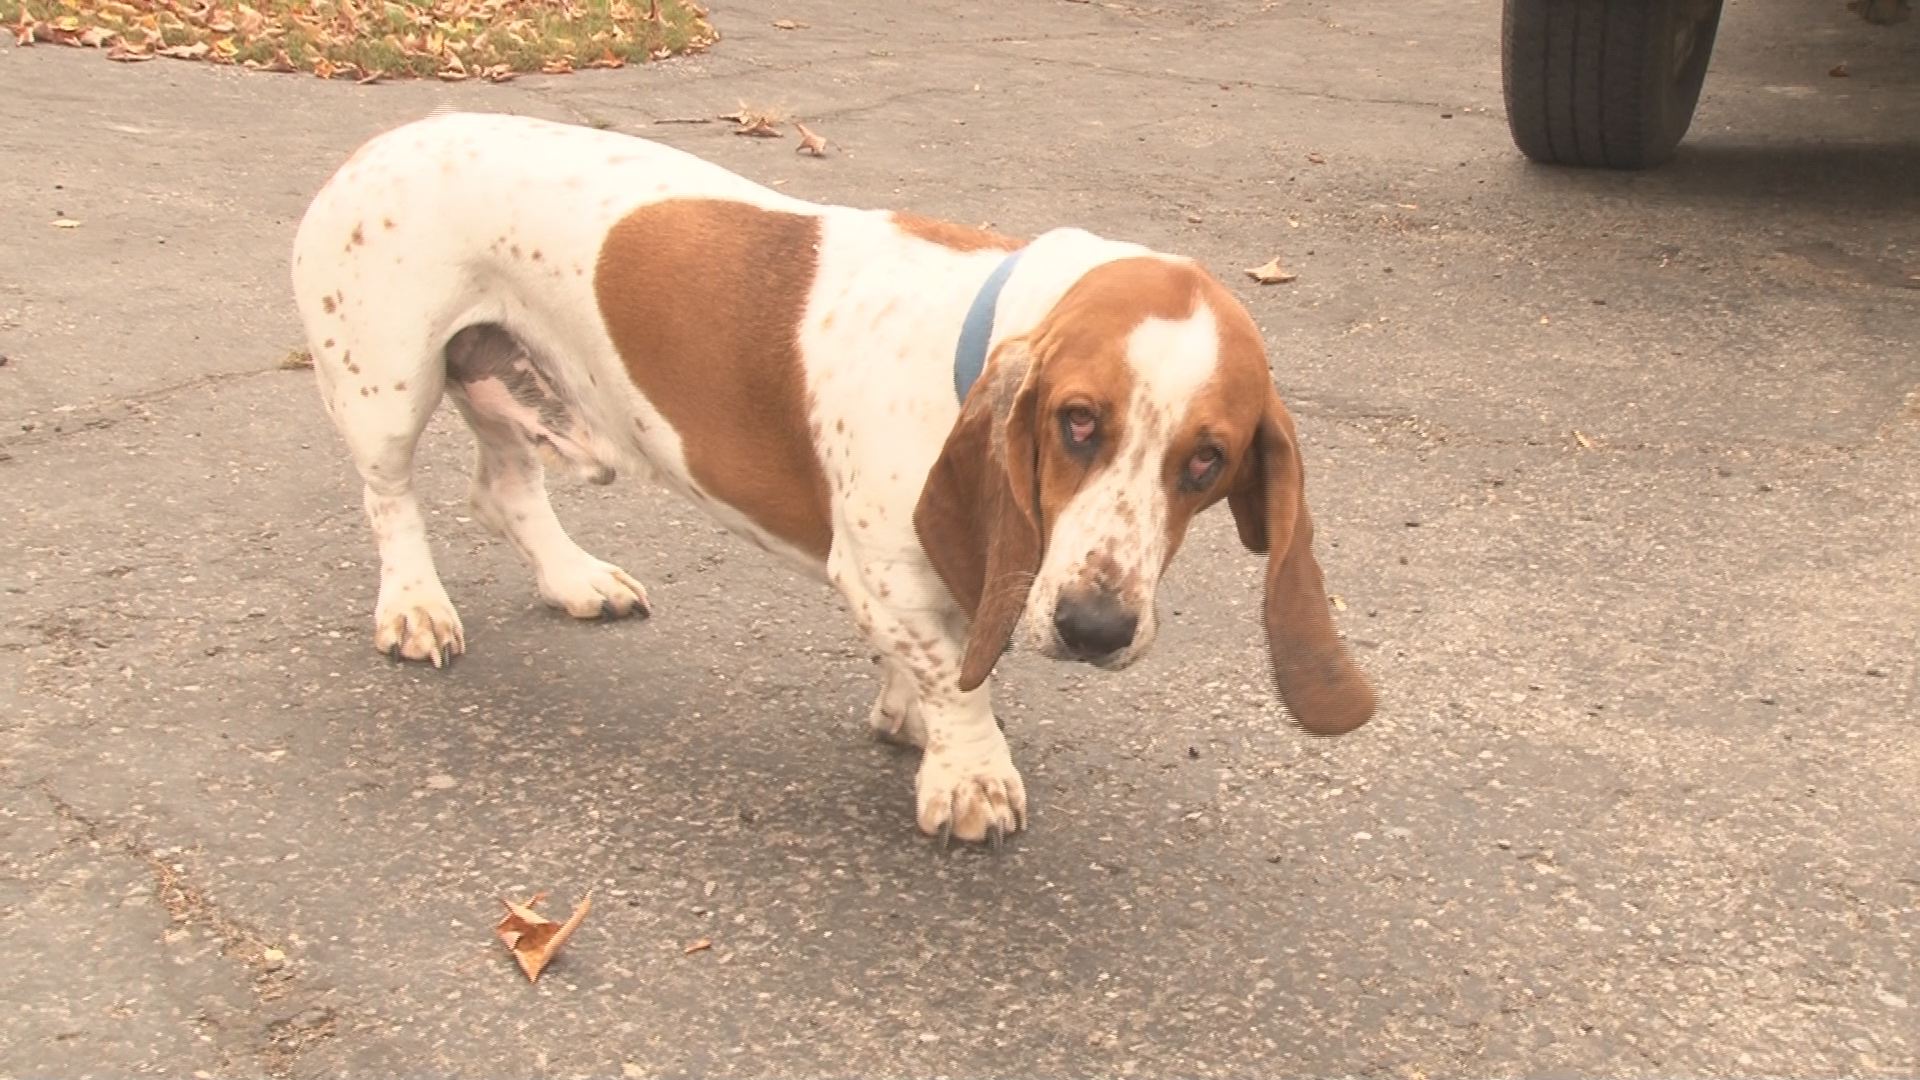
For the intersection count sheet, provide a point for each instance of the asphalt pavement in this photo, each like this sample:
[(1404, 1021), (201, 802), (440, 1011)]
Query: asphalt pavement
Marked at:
[(1617, 480)]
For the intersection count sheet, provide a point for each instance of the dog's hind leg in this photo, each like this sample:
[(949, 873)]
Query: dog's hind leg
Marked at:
[(514, 411), (380, 404)]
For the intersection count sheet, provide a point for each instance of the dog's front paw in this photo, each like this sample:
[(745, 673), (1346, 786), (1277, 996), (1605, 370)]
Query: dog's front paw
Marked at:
[(591, 589), (971, 797), (419, 624)]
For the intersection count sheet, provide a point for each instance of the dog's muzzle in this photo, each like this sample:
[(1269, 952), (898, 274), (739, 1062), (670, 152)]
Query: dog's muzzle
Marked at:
[(1094, 626)]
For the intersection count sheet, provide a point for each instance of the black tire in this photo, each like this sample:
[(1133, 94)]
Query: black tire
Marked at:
[(1608, 83)]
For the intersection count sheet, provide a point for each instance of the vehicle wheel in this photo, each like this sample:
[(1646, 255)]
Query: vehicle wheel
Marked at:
[(1605, 83)]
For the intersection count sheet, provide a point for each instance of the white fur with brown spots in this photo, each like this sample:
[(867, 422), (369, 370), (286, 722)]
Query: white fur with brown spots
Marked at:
[(611, 304)]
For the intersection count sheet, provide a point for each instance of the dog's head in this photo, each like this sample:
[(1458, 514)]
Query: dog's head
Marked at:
[(1083, 452)]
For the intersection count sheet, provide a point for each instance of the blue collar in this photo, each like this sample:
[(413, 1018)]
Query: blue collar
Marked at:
[(970, 355)]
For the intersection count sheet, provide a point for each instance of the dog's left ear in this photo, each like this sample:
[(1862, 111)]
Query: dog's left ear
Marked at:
[(978, 519), (1319, 683)]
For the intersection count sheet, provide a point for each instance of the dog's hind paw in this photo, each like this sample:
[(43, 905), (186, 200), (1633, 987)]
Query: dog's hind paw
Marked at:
[(591, 589), (421, 628)]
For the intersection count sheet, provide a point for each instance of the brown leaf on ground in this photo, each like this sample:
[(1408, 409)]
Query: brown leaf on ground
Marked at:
[(701, 945), (751, 120), (788, 24), (533, 937), (1316, 158), (296, 359), (810, 141), (1839, 70), (1270, 273), (447, 39)]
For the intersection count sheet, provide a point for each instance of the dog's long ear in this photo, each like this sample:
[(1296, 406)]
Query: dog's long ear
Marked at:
[(1318, 681), (978, 517)]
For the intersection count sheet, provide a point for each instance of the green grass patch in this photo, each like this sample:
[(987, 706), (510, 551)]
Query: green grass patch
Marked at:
[(374, 39)]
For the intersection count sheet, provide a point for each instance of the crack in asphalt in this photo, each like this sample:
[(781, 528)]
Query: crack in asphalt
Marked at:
[(279, 1042), (88, 417)]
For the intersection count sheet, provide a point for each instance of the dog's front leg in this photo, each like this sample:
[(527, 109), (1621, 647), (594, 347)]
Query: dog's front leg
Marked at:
[(967, 786), (967, 782)]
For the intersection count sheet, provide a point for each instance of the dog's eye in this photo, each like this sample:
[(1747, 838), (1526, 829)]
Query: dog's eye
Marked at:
[(1080, 424), (1202, 467)]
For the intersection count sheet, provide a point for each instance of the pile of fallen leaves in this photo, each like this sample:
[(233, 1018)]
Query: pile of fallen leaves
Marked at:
[(373, 39)]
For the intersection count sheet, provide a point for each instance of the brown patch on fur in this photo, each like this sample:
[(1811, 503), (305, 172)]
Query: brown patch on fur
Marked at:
[(1226, 412), (386, 223), (956, 237), (328, 305), (731, 386), (399, 386), (328, 344), (358, 237)]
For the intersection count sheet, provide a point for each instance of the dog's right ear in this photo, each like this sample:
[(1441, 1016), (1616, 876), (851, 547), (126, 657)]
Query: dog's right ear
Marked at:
[(978, 518)]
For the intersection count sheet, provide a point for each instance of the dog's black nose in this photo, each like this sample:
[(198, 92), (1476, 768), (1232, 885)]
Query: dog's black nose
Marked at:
[(1094, 626)]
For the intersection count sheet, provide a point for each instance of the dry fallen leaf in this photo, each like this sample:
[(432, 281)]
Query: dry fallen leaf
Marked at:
[(788, 24), (1338, 603), (1316, 159), (448, 39), (65, 223), (702, 945), (1839, 70), (1581, 438), (760, 126), (296, 359), (810, 141), (533, 937), (1270, 273)]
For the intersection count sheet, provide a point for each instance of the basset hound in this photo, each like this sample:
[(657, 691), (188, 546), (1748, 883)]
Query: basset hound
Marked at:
[(963, 433)]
